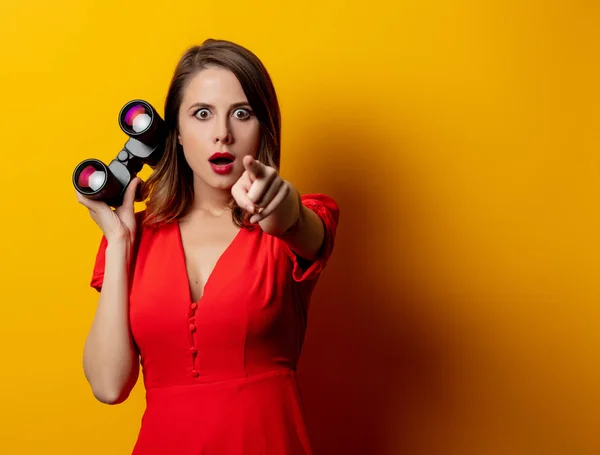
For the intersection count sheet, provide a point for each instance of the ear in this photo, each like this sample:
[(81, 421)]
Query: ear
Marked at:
[(179, 139)]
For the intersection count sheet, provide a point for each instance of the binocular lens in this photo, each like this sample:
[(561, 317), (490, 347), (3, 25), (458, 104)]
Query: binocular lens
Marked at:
[(147, 133), (95, 180), (91, 177), (137, 118)]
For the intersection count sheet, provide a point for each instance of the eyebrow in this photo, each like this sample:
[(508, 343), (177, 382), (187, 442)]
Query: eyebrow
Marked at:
[(203, 105)]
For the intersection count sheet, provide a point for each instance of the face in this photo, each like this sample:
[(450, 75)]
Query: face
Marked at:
[(217, 127)]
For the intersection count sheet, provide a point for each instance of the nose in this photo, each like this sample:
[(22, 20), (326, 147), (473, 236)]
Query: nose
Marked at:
[(222, 132)]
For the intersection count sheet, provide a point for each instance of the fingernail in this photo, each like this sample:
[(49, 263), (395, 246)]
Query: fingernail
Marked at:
[(250, 208)]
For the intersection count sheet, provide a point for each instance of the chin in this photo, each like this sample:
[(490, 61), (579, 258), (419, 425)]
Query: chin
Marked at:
[(222, 183)]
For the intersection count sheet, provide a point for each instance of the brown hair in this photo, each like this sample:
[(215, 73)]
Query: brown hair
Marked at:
[(170, 186)]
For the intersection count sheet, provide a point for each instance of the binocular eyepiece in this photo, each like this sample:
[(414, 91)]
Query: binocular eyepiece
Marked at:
[(147, 133)]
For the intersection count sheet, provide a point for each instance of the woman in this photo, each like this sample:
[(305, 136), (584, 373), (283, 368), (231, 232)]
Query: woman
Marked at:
[(208, 287)]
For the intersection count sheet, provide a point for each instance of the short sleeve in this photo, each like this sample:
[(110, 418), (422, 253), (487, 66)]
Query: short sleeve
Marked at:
[(100, 261), (329, 213)]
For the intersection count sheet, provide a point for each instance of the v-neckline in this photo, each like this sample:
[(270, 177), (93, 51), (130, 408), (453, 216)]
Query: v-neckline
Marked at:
[(183, 263)]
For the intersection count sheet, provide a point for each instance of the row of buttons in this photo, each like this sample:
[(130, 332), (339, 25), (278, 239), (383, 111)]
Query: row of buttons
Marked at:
[(193, 349)]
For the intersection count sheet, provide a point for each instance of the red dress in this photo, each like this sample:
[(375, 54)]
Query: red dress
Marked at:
[(219, 373)]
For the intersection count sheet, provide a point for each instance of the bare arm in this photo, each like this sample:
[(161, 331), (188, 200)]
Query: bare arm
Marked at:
[(283, 213), (110, 360)]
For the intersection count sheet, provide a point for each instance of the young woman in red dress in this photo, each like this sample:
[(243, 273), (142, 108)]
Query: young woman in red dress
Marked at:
[(208, 288)]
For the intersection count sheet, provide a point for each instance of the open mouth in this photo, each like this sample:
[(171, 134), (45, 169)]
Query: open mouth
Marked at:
[(221, 161)]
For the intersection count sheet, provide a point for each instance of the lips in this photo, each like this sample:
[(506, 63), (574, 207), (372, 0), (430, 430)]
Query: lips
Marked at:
[(222, 163), (221, 159)]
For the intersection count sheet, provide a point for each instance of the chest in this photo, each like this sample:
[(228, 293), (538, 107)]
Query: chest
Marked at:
[(248, 299), (203, 245)]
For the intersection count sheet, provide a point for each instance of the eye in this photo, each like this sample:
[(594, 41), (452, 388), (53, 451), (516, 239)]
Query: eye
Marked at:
[(202, 114), (242, 114)]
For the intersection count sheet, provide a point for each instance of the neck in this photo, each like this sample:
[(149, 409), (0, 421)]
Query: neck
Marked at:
[(212, 200)]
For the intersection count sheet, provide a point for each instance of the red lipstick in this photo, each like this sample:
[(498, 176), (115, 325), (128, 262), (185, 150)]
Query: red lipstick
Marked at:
[(222, 163)]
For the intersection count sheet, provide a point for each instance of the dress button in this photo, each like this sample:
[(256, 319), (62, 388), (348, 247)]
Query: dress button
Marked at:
[(195, 373), (192, 327), (194, 306), (193, 350)]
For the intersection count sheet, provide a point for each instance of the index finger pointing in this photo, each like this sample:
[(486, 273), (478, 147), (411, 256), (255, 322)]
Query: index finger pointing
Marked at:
[(254, 167)]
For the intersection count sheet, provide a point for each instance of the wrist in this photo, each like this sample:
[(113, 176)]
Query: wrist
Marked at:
[(119, 250), (122, 237), (297, 217), (118, 245), (118, 241), (286, 216)]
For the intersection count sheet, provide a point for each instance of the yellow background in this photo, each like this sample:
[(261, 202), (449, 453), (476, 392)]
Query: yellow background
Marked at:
[(460, 311)]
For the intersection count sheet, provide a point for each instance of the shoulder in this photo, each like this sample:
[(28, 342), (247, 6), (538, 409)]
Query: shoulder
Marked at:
[(145, 226), (146, 238), (322, 204)]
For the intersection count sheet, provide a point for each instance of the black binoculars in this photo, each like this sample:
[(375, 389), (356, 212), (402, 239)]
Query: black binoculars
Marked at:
[(146, 144)]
